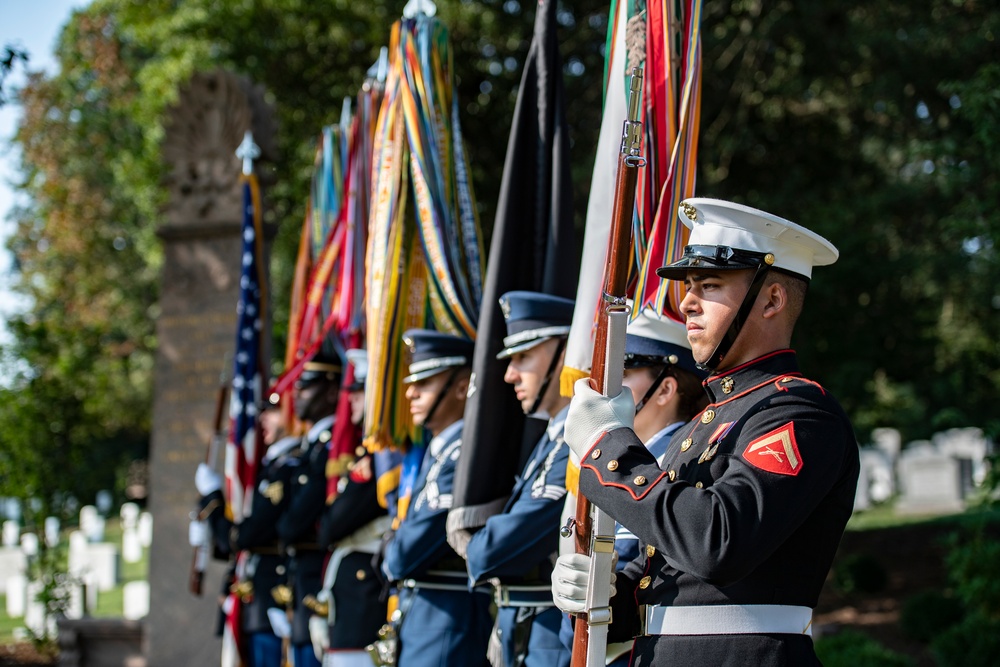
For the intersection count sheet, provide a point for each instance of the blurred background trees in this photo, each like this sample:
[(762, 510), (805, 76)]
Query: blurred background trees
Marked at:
[(876, 125)]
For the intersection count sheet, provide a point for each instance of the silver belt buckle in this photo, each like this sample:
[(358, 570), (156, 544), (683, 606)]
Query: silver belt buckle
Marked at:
[(501, 595)]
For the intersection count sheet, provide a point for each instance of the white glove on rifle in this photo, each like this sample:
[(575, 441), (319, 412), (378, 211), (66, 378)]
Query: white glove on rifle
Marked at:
[(571, 581), (319, 634), (207, 480), (197, 533), (592, 414)]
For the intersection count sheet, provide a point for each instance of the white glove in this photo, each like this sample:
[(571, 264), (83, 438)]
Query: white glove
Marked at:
[(319, 633), (197, 533), (592, 414), (207, 480), (571, 581)]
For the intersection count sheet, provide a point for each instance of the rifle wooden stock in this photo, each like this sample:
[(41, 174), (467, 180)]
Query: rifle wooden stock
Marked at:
[(612, 298), (199, 559)]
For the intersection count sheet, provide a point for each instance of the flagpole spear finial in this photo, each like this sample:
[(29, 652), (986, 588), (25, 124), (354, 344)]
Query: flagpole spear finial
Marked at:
[(248, 151)]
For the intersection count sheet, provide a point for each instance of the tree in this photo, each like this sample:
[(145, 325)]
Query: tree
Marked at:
[(9, 58)]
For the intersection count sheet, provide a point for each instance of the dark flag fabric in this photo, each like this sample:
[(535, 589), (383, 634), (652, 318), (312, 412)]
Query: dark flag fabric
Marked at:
[(533, 248), (244, 445)]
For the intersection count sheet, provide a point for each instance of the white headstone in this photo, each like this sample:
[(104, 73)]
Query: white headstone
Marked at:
[(13, 562), (931, 482), (879, 474), (77, 556), (131, 546), (11, 533), (51, 531), (34, 611), (129, 513), (88, 515), (102, 562), (16, 590), (75, 607), (95, 530), (888, 440), (146, 529), (29, 544), (135, 602), (965, 443)]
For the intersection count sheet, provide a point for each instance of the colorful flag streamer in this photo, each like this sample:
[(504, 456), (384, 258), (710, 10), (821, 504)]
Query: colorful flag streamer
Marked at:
[(665, 39), (424, 259)]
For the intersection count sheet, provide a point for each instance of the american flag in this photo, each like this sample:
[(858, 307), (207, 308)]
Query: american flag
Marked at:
[(243, 450)]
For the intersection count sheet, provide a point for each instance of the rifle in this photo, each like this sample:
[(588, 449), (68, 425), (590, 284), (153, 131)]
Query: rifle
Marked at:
[(596, 537), (199, 559)]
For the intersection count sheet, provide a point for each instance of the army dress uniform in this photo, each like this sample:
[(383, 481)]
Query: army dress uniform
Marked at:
[(266, 567), (441, 621), (352, 527), (297, 530)]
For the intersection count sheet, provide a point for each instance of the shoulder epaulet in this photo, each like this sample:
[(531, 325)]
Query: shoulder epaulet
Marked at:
[(785, 382)]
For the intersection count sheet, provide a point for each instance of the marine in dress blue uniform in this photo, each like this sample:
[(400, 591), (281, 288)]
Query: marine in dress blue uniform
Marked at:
[(743, 519), (316, 394), (440, 621), (516, 549), (350, 607)]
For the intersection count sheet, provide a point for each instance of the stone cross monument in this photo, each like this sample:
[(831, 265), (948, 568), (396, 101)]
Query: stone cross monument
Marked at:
[(196, 332)]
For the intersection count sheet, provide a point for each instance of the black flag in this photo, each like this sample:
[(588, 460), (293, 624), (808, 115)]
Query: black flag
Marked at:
[(533, 248)]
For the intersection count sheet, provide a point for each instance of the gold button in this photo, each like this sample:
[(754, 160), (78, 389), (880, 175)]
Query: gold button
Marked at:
[(639, 480), (698, 485), (360, 451), (650, 551), (672, 475), (596, 454), (303, 479), (644, 582), (361, 575), (727, 385), (612, 465), (707, 416), (686, 445)]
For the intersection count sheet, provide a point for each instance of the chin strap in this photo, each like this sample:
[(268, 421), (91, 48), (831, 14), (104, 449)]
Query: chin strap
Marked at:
[(653, 387), (441, 394), (548, 377), (737, 324)]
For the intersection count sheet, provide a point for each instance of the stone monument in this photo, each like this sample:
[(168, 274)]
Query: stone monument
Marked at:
[(196, 332)]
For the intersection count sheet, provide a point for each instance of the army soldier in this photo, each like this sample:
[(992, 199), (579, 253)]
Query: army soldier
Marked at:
[(350, 611), (441, 622), (316, 392), (743, 519), (516, 549)]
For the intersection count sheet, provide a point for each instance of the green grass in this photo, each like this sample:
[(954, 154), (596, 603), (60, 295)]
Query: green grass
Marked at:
[(884, 516), (7, 624)]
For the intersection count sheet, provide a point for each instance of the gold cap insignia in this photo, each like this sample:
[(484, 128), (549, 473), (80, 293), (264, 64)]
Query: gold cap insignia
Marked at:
[(769, 259), (690, 211)]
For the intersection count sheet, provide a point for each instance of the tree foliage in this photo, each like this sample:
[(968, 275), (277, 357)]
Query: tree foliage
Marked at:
[(875, 124)]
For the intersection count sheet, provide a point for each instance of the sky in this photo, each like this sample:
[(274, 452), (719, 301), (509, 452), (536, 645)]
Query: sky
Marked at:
[(33, 26)]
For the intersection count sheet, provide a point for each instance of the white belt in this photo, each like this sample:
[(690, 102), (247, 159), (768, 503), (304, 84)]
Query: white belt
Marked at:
[(727, 619)]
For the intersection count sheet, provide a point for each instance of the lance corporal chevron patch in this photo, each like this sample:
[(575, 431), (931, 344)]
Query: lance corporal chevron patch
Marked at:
[(776, 451)]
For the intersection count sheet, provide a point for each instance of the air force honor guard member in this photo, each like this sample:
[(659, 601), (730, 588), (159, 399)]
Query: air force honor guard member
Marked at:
[(666, 386), (742, 520), (441, 622), (516, 549)]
